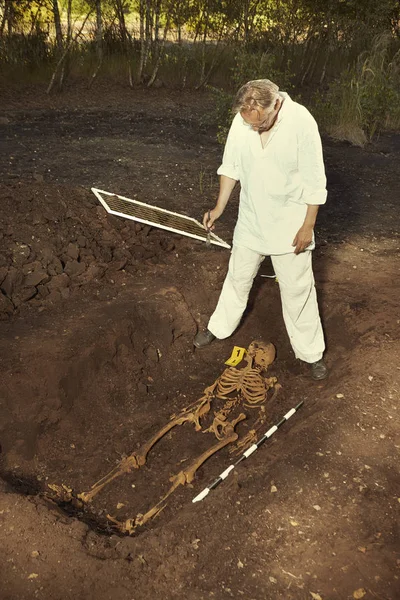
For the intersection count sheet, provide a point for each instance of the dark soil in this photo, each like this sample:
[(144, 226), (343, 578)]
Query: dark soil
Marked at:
[(97, 319)]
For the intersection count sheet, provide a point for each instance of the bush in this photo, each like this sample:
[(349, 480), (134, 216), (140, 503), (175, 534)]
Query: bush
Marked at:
[(29, 50), (365, 99)]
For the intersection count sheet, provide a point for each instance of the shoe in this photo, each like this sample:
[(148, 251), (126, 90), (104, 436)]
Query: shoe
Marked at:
[(319, 370), (203, 338)]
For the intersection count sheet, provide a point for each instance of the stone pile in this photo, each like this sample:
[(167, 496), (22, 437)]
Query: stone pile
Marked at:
[(52, 243)]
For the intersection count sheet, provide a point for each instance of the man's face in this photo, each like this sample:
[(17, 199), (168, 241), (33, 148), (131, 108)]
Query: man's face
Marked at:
[(260, 119)]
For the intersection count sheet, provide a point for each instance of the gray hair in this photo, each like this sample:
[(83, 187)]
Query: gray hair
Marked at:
[(260, 93)]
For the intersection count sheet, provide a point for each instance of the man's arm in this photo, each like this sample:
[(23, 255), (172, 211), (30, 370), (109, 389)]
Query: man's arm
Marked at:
[(312, 172), (226, 186), (304, 236), (228, 171)]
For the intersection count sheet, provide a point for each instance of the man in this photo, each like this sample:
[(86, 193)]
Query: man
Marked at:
[(274, 150)]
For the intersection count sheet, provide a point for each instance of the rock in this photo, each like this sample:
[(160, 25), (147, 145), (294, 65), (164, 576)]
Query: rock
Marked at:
[(65, 293), (107, 238), (27, 293), (32, 256), (4, 121), (115, 221), (117, 265), (151, 354), (81, 241), (100, 213), (38, 177), (167, 245), (93, 272), (53, 297), (6, 307), (20, 253), (55, 268), (139, 252), (59, 281), (74, 268), (43, 290), (12, 280), (73, 251), (128, 232), (47, 255), (146, 230), (32, 266), (35, 278), (89, 258), (120, 253), (103, 254)]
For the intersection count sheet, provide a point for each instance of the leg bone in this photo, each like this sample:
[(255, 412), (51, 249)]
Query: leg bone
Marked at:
[(185, 476), (138, 459)]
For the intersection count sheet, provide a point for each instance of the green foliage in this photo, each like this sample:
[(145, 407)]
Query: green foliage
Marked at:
[(221, 115), (259, 65), (247, 66), (25, 50), (365, 99)]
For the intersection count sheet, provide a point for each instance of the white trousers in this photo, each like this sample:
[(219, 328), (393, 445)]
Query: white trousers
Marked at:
[(298, 296)]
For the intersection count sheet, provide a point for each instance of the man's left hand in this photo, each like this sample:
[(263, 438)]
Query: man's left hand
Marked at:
[(303, 238)]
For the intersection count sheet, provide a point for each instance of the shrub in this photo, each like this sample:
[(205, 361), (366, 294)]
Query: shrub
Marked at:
[(365, 99)]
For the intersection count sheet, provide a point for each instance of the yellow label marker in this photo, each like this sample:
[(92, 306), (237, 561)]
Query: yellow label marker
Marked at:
[(236, 356)]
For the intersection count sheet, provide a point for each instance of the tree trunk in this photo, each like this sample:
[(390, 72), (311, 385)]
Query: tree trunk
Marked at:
[(205, 76), (142, 13), (246, 29), (145, 36), (64, 68), (64, 55), (99, 41), (160, 52), (34, 19), (203, 53), (4, 20), (10, 17), (157, 23), (119, 5), (57, 24)]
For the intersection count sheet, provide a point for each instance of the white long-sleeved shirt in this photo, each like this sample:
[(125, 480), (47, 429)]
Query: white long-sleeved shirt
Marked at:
[(277, 181)]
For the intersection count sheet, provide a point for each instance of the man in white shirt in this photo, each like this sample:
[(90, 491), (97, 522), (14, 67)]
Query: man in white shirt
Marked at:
[(274, 150)]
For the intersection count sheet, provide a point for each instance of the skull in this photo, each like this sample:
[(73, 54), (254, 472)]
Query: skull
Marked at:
[(262, 354)]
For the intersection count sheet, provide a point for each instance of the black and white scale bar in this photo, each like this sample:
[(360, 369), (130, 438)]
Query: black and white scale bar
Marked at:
[(246, 454)]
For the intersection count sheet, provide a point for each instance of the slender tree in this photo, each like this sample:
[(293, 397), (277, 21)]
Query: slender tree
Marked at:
[(57, 25), (99, 40)]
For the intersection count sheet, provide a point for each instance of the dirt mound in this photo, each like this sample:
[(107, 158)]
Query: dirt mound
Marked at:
[(55, 241)]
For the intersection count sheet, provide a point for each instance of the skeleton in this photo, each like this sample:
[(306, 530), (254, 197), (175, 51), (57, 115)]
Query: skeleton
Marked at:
[(246, 387)]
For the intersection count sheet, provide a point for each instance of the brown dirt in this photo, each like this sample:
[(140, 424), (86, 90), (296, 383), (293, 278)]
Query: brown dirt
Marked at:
[(98, 316)]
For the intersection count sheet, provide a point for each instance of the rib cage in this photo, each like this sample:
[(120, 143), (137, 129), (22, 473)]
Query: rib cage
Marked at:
[(248, 382)]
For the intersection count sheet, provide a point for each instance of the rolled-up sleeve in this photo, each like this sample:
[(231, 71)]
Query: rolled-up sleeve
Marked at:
[(230, 160), (311, 162)]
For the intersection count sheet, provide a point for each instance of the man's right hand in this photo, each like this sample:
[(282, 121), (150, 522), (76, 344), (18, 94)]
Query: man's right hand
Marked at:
[(210, 217)]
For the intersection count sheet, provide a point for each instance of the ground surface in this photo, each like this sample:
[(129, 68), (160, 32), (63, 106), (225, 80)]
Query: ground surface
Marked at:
[(97, 320)]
